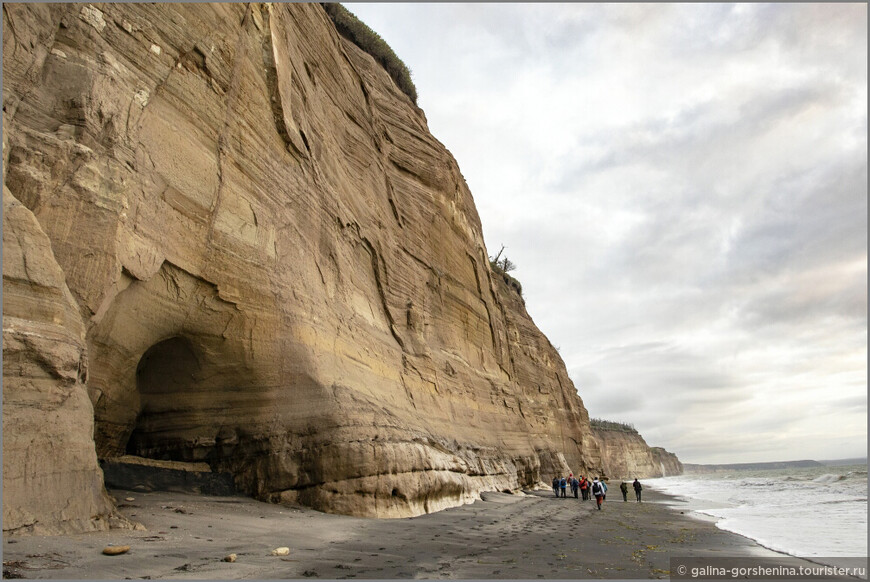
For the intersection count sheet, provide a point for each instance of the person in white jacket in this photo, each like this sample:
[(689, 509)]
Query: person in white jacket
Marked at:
[(598, 491)]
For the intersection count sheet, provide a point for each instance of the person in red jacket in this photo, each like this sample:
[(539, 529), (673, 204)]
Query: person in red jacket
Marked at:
[(584, 487)]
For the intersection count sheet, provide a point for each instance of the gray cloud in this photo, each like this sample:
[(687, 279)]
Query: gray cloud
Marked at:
[(684, 190)]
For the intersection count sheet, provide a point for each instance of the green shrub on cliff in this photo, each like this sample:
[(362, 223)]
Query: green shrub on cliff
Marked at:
[(602, 424), (356, 31)]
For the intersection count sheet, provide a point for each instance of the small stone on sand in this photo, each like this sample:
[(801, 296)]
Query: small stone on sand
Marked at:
[(129, 499), (115, 550), (230, 558), (282, 551)]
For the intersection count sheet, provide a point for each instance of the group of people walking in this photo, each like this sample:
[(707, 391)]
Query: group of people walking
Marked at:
[(561, 484), (589, 489)]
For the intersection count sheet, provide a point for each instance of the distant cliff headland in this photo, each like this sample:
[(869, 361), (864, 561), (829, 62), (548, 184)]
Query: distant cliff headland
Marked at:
[(230, 241), (696, 468), (626, 454)]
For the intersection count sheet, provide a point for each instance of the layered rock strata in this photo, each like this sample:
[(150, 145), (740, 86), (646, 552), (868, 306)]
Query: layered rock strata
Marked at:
[(272, 265), (625, 455)]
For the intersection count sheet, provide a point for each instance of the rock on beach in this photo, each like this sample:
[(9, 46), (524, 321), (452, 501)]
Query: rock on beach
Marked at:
[(282, 551)]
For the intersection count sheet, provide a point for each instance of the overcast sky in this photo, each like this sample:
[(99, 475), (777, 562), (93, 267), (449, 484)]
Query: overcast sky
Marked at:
[(683, 188)]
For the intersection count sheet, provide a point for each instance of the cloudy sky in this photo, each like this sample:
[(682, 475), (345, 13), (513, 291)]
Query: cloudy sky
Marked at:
[(684, 191)]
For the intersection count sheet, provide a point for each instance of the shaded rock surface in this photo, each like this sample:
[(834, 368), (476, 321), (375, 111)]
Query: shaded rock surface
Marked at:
[(625, 455), (51, 480), (141, 474), (272, 267)]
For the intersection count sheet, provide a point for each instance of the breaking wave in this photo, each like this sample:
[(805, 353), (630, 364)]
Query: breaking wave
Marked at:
[(829, 478), (800, 511)]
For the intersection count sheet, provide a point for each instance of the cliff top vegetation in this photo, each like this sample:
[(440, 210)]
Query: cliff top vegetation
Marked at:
[(602, 424), (357, 32), (502, 266)]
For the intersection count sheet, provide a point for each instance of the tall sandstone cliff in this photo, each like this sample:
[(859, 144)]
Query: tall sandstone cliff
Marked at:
[(258, 257)]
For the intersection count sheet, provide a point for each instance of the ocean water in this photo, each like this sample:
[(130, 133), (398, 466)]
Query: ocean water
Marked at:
[(818, 511)]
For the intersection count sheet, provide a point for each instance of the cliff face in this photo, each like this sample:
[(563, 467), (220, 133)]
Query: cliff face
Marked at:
[(668, 462), (271, 265), (625, 455)]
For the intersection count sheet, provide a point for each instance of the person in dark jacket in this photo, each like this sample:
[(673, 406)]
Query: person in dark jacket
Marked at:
[(575, 487), (556, 486), (624, 488), (637, 489)]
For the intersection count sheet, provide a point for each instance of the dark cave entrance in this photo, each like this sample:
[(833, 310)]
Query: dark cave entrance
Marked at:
[(176, 422), (166, 378)]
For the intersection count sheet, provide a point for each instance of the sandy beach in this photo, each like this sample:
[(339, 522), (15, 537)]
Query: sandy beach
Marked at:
[(522, 536)]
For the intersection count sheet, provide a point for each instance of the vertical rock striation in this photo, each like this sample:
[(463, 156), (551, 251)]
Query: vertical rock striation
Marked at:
[(51, 480), (274, 267)]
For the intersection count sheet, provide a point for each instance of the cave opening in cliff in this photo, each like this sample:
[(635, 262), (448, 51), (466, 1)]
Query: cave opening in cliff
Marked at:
[(165, 378)]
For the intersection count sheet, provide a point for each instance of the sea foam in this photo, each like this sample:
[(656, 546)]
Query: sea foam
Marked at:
[(804, 512)]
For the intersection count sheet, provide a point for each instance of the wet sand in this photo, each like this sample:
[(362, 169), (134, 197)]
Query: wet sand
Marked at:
[(503, 536)]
